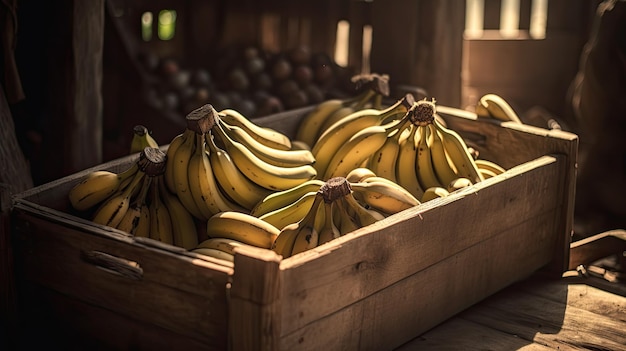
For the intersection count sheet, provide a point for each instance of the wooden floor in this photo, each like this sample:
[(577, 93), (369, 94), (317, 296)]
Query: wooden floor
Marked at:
[(576, 312)]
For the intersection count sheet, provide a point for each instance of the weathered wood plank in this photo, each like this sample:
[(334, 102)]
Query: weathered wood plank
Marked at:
[(461, 334), (556, 324)]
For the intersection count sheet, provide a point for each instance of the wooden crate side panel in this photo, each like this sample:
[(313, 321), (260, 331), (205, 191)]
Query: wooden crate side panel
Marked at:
[(182, 294), (324, 280), (419, 302), (66, 323)]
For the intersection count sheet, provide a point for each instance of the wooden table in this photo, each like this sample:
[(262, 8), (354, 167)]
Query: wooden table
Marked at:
[(576, 312)]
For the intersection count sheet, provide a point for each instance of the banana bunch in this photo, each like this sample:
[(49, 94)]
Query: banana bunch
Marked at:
[(141, 139), (347, 143), (496, 107), (334, 212), (423, 156), (373, 88), (224, 162), (144, 208)]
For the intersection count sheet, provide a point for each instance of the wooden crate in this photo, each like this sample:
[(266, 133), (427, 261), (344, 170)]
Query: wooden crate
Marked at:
[(375, 288)]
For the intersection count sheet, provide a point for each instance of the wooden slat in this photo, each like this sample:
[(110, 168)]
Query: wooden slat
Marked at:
[(182, 294), (556, 324), (461, 334)]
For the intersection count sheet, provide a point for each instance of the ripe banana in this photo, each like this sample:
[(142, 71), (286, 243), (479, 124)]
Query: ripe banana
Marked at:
[(425, 170), (141, 139), (299, 236), (277, 157), (267, 136), (184, 229), (356, 150), (285, 197), (290, 213), (383, 161), (494, 106), (231, 180), (309, 126), (363, 216), (359, 174), (483, 164), (176, 142), (180, 179), (383, 195), (459, 154), (444, 169), (97, 186), (134, 221), (112, 210), (458, 183), (202, 184), (160, 218), (329, 230), (215, 253), (300, 145), (434, 193), (242, 227), (267, 175), (339, 133), (406, 175), (347, 222), (223, 244)]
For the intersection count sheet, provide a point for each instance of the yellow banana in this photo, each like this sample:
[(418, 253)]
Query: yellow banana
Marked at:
[(356, 150), (176, 142), (160, 218), (180, 175), (267, 136), (223, 244), (97, 186), (242, 227), (184, 231), (277, 157), (362, 101), (202, 184), (483, 164), (112, 210), (442, 164), (363, 216), (309, 126), (339, 133), (347, 223), (290, 213), (132, 222), (359, 174), (260, 172), (300, 145), (383, 195), (329, 230), (458, 183), (141, 139), (487, 173), (425, 170), (459, 154), (285, 197), (215, 253), (231, 180), (406, 175), (285, 243), (383, 161), (434, 193), (495, 106)]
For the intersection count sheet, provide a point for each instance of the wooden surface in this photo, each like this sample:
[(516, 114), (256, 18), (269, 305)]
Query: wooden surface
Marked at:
[(571, 313)]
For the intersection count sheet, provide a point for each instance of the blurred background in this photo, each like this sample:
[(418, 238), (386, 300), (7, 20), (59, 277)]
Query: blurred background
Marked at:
[(88, 71)]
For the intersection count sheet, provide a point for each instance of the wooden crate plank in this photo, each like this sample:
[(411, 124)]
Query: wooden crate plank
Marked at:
[(460, 334), (433, 294), (552, 323), (67, 323), (195, 290), (360, 271)]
